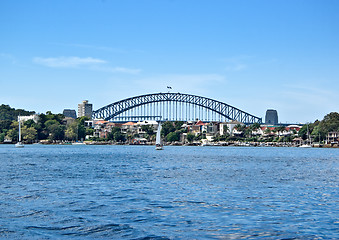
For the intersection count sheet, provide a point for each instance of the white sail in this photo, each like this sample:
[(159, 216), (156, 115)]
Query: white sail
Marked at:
[(158, 137), (19, 143), (158, 142)]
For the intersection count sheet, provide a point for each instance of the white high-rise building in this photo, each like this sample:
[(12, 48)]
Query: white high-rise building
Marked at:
[(85, 109)]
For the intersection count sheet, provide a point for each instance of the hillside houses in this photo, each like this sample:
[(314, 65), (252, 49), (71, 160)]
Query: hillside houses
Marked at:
[(145, 130)]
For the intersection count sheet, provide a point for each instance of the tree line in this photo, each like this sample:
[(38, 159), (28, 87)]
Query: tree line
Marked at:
[(48, 127), (320, 129)]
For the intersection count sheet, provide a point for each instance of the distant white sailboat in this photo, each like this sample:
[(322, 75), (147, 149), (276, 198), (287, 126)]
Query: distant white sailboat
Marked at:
[(158, 142), (308, 144), (19, 144), (78, 142)]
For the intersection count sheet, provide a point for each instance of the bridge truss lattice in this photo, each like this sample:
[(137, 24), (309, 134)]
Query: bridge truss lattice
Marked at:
[(173, 107)]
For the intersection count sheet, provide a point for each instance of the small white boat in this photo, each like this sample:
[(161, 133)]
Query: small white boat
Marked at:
[(159, 147), (206, 144), (308, 142), (158, 142), (19, 144), (78, 143)]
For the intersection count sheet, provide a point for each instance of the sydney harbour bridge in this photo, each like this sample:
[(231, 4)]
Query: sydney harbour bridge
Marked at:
[(173, 107)]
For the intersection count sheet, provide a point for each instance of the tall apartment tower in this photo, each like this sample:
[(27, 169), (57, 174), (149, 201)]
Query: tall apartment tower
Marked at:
[(85, 109), (271, 117)]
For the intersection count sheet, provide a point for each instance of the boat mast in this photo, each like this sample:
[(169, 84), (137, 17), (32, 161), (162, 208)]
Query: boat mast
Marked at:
[(19, 129)]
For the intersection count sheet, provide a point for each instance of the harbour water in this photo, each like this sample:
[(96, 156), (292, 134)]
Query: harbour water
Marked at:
[(135, 192)]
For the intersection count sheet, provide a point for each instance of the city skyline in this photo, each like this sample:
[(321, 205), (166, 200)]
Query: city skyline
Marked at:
[(253, 55)]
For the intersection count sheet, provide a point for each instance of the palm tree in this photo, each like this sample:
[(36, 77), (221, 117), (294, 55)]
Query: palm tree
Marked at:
[(225, 129), (254, 127), (240, 128), (280, 129), (267, 131)]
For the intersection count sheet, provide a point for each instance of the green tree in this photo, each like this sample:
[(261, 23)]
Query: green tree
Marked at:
[(12, 134), (280, 129), (119, 137), (115, 134), (71, 132), (29, 123), (173, 137), (8, 113), (167, 127), (148, 129), (178, 125), (45, 120), (305, 130), (268, 131), (81, 132), (56, 131), (82, 120), (241, 128), (49, 123), (29, 134), (5, 125), (42, 119), (129, 136), (226, 129), (2, 137), (330, 123), (89, 131), (42, 131), (255, 126), (198, 137), (190, 137), (248, 132), (58, 117)]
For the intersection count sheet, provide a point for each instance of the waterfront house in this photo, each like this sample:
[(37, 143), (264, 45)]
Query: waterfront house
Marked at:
[(195, 128), (103, 128), (152, 124), (129, 127), (139, 141), (99, 128), (332, 138), (201, 126), (228, 127)]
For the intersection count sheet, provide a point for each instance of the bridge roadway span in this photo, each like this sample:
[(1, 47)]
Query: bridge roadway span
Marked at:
[(229, 112)]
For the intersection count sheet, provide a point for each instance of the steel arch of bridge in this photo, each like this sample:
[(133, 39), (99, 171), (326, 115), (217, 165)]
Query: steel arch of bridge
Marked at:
[(112, 110)]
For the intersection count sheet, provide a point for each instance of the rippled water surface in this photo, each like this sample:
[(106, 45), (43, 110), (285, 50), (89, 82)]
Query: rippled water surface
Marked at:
[(135, 192)]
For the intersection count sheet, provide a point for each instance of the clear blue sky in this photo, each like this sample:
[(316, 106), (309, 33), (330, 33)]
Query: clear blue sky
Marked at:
[(251, 54)]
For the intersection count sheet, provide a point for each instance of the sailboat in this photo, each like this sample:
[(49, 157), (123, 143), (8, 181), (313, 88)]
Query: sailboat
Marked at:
[(158, 142), (78, 142), (19, 144), (308, 143)]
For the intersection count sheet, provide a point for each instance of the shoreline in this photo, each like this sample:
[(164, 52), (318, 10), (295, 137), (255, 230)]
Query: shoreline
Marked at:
[(218, 144)]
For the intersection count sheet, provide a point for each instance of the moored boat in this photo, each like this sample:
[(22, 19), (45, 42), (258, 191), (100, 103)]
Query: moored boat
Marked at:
[(308, 142)]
